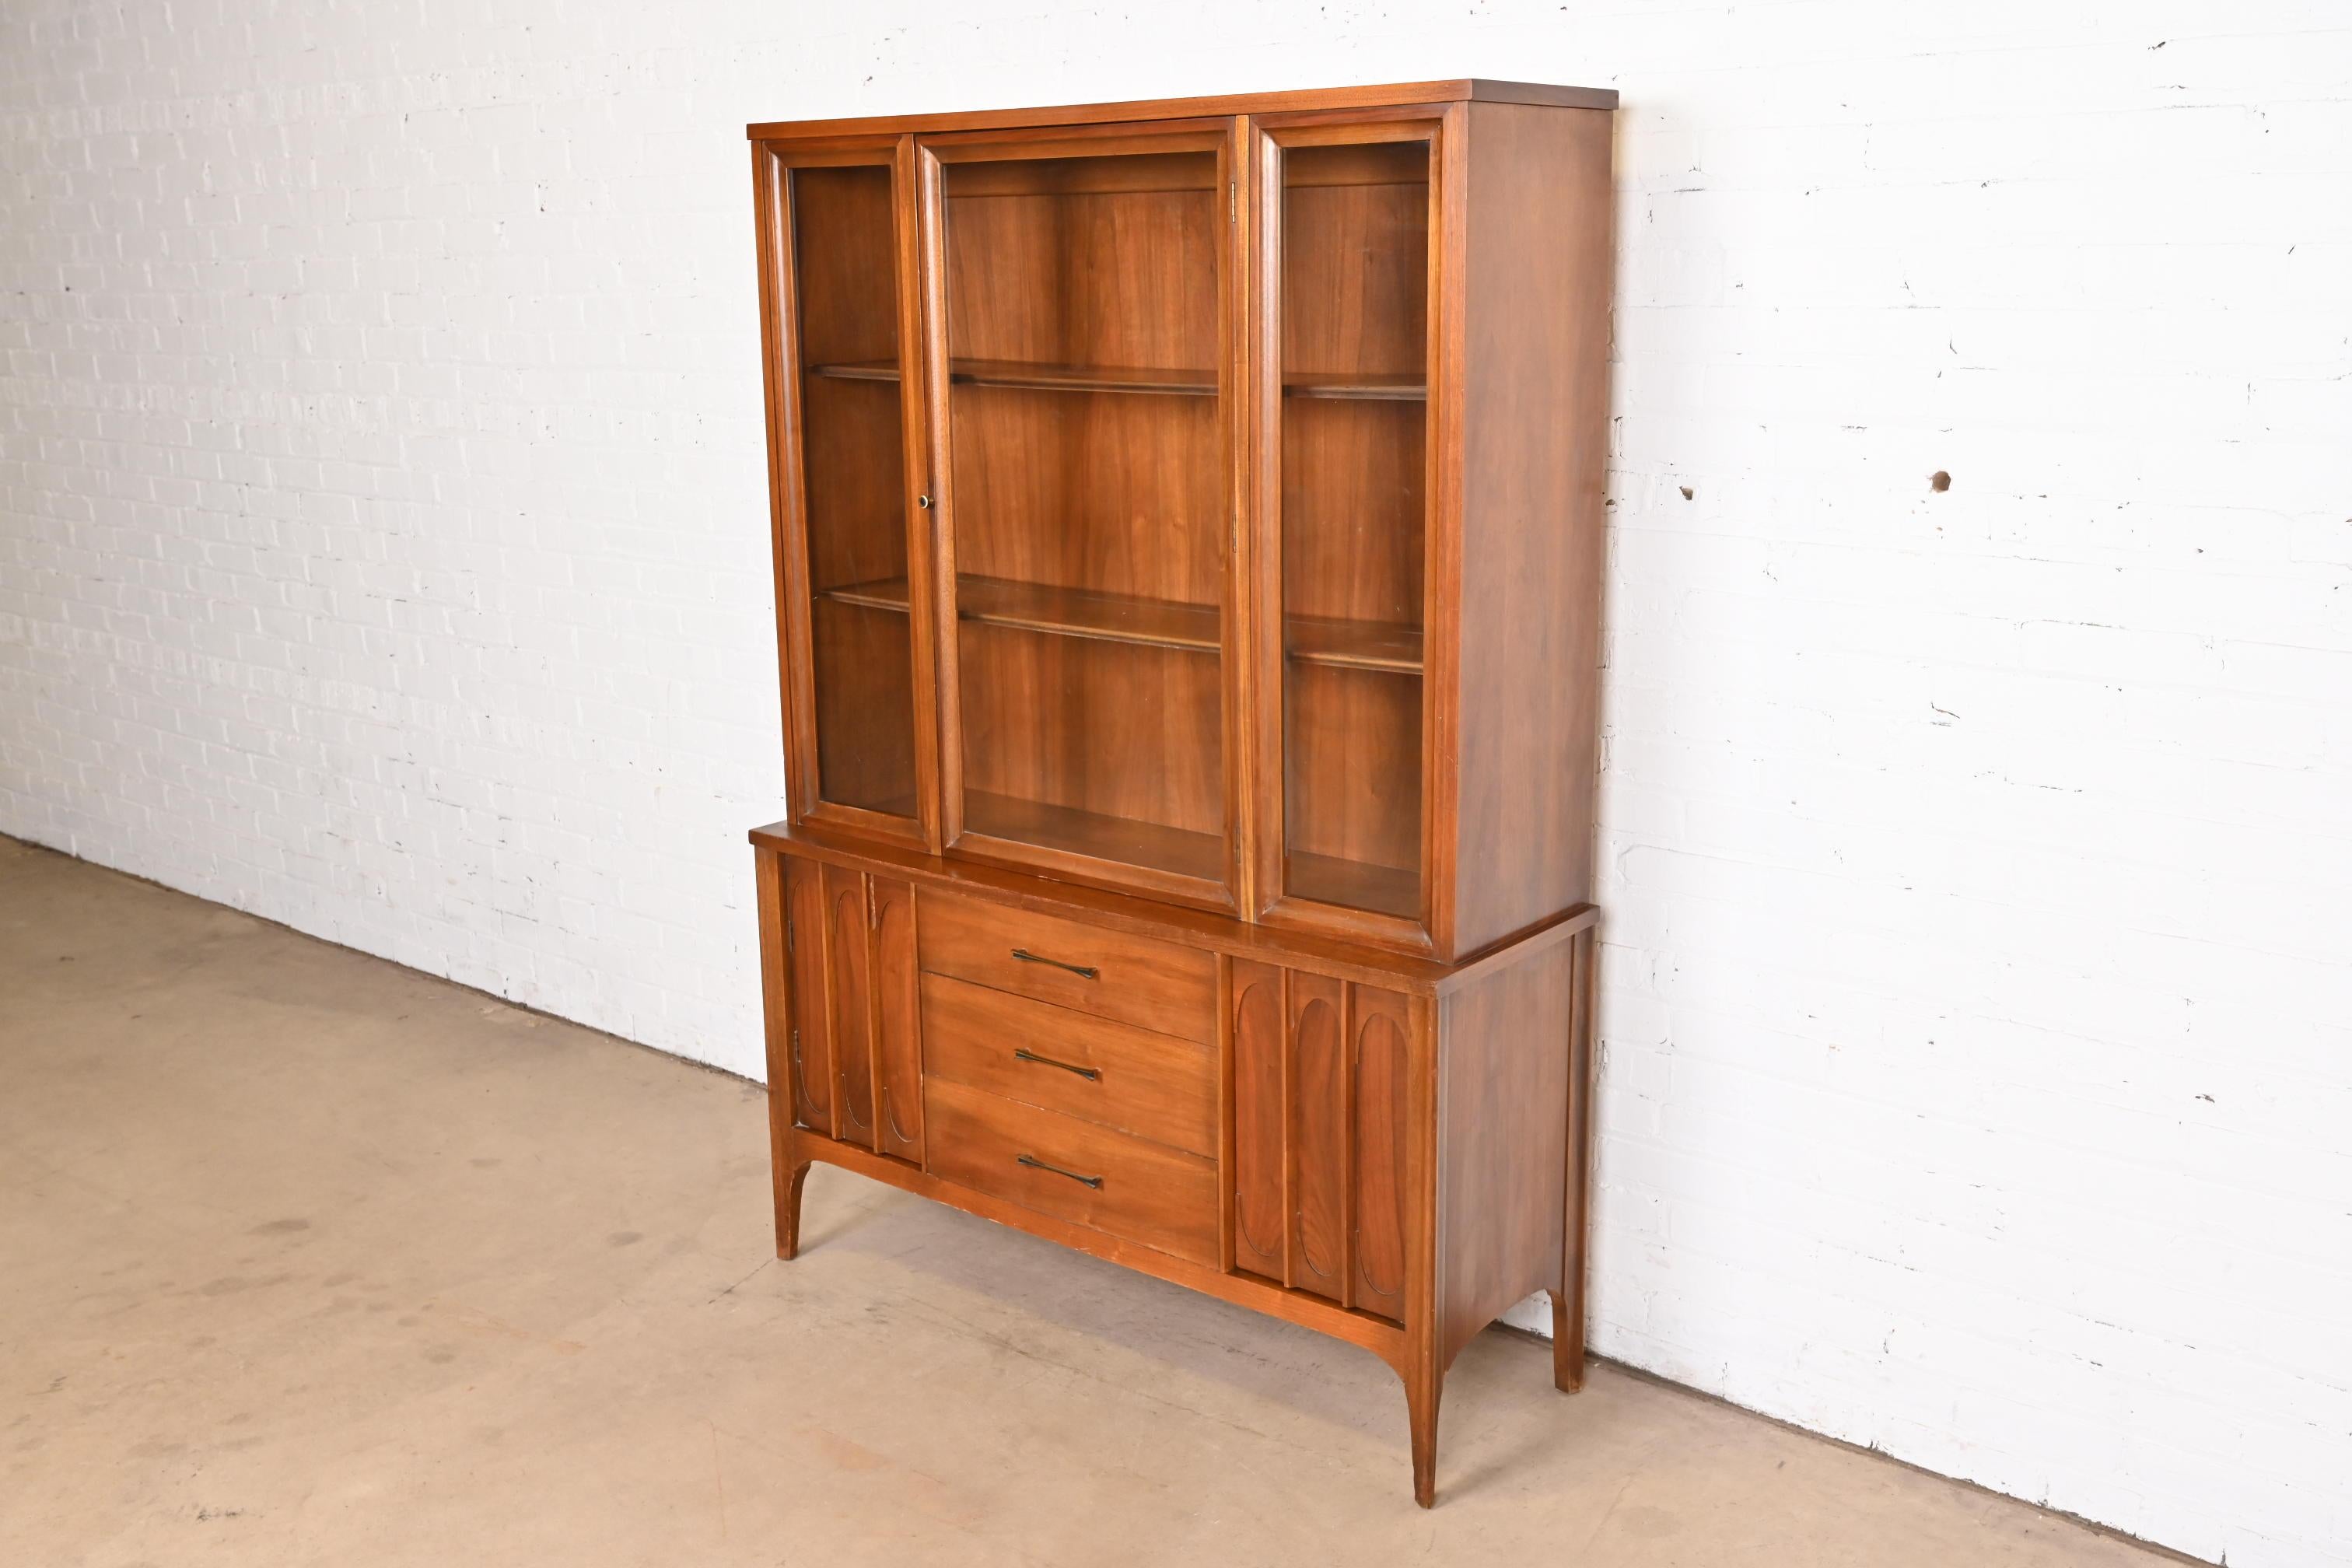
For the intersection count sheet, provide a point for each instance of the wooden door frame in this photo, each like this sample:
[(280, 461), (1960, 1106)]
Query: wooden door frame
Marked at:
[(930, 154), (1445, 127), (772, 163)]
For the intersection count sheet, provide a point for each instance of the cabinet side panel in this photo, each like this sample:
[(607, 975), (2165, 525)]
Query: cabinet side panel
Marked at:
[(897, 1042), (1258, 1220), (1503, 1058), (1535, 437), (1318, 1134), (1381, 1022), (810, 1025)]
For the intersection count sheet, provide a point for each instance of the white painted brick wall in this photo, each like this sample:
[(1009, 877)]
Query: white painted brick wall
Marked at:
[(382, 549)]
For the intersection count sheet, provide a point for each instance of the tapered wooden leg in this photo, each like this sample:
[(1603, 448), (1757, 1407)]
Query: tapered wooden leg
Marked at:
[(785, 1165), (1566, 1340), (1568, 1300), (1421, 1392), (789, 1183)]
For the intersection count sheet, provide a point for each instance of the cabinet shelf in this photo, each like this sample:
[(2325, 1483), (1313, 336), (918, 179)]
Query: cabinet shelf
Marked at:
[(1357, 386), (1153, 623), (1065, 612), (1043, 377), (1354, 884), (1131, 378), (1176, 850), (1352, 644)]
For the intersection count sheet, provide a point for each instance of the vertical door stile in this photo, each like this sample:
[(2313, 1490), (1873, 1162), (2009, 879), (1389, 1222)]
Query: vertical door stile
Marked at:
[(1442, 607), (1264, 595), (923, 602), (870, 894), (1237, 422), (1289, 1139), (778, 311), (910, 1088), (937, 521), (1347, 1143), (1228, 1090), (818, 1045)]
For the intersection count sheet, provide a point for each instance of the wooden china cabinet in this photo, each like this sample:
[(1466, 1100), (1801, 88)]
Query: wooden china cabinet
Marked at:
[(1188, 541)]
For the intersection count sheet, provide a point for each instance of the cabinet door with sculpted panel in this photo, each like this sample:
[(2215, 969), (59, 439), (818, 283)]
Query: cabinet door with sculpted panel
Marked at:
[(1319, 1135), (1381, 1022), (1258, 1222)]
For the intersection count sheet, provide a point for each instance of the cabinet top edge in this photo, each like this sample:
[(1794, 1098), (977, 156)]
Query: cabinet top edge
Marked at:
[(1173, 922), (1373, 96)]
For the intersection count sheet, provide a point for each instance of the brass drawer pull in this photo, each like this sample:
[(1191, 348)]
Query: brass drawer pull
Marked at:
[(1092, 1075), (1082, 971), (1036, 1165)]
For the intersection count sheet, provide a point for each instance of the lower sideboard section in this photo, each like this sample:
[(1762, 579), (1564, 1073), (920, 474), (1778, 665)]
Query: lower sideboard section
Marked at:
[(1391, 1156)]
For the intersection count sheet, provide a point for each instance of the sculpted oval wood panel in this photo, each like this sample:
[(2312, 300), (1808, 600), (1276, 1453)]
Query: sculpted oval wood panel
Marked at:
[(812, 1030), (899, 1060), (1319, 1133), (850, 1038), (1257, 1119), (1380, 1157)]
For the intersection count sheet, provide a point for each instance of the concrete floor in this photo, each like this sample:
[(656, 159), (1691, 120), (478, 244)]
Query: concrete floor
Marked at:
[(306, 1257)]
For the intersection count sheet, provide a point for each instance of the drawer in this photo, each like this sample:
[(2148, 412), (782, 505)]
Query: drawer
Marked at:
[(1131, 1081), (1074, 1170), (1154, 985)]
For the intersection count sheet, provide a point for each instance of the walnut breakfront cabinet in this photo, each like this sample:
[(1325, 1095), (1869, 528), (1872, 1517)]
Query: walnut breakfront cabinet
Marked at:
[(1188, 540)]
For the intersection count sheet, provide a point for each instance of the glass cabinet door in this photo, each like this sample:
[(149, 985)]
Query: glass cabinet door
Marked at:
[(1353, 327), (1090, 502), (846, 442)]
